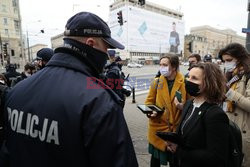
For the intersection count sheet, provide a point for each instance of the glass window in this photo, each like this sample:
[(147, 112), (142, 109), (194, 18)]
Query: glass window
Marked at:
[(5, 21), (17, 31), (6, 31), (15, 10), (16, 24), (4, 9), (14, 3)]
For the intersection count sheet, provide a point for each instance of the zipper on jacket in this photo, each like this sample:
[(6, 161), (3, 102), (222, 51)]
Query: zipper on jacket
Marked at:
[(187, 120)]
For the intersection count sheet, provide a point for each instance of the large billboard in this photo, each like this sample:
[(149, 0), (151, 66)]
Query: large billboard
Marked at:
[(146, 31)]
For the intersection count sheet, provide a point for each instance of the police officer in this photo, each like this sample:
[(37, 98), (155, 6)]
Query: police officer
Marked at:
[(43, 57), (11, 73), (114, 75), (207, 58), (70, 119)]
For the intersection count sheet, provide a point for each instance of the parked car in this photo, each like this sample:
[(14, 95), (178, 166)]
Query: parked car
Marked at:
[(186, 63), (134, 65)]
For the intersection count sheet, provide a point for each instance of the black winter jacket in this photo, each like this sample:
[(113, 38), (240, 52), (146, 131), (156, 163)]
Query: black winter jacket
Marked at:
[(205, 137)]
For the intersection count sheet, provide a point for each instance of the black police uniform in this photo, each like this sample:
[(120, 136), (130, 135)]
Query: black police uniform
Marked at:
[(11, 74), (58, 117), (117, 78), (3, 91)]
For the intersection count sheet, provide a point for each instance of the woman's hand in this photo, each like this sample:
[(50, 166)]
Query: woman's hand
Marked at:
[(171, 146), (178, 104), (153, 114)]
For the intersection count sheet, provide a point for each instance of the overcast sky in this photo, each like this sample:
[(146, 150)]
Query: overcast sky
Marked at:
[(52, 15)]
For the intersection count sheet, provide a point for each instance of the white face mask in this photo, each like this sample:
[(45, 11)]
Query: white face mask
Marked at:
[(229, 66), (165, 71), (2, 82), (108, 62), (27, 74)]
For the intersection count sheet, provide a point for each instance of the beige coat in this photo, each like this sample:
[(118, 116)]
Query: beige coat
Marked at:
[(241, 114)]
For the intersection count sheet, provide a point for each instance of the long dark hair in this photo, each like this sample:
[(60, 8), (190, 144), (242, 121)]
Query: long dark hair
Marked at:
[(238, 52)]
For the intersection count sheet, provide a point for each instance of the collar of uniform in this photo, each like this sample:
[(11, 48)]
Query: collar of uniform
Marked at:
[(64, 58)]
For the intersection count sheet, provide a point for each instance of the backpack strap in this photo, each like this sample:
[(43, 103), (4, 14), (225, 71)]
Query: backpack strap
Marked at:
[(235, 142), (156, 79), (208, 109)]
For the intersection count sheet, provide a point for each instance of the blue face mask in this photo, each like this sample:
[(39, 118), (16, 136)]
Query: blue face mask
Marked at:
[(165, 71), (229, 66)]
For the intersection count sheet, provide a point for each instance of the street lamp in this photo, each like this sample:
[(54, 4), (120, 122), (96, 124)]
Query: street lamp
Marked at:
[(27, 38), (128, 85), (28, 45)]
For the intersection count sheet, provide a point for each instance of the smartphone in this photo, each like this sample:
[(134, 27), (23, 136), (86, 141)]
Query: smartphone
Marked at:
[(178, 96), (144, 108), (155, 108), (149, 108), (169, 136)]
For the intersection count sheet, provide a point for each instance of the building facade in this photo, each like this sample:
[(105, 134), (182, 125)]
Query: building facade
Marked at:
[(57, 41), (208, 40), (11, 33), (33, 50), (147, 31)]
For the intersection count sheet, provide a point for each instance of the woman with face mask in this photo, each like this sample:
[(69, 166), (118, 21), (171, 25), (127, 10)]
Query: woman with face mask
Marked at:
[(203, 128), (29, 69), (162, 94), (237, 104)]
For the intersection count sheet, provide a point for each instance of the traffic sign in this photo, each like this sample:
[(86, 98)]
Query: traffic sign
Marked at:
[(246, 30)]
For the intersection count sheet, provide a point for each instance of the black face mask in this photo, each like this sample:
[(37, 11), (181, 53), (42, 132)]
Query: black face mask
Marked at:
[(97, 58), (192, 88)]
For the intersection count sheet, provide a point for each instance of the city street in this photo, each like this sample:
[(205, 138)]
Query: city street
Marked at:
[(138, 124), (147, 70), (57, 68), (140, 78)]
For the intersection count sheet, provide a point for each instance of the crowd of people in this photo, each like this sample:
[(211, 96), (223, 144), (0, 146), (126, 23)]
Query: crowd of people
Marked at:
[(11, 77), (66, 107), (211, 99)]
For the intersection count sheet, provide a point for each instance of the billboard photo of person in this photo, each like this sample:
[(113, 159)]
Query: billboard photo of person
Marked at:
[(174, 40)]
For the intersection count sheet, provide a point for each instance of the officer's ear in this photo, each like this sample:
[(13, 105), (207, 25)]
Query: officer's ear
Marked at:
[(90, 41)]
